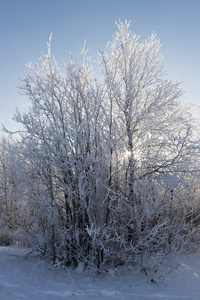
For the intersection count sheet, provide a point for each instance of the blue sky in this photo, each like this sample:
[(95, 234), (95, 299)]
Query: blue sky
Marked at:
[(25, 26)]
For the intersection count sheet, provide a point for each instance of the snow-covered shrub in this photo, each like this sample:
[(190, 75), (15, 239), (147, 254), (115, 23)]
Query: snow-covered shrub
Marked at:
[(106, 171)]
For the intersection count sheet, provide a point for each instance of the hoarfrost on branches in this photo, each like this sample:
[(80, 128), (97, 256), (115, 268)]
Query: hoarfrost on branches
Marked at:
[(106, 171)]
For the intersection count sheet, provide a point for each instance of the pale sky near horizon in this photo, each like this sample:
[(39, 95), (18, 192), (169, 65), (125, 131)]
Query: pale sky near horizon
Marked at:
[(25, 26)]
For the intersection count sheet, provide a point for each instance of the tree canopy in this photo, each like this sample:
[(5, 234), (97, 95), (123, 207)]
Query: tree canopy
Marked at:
[(106, 170)]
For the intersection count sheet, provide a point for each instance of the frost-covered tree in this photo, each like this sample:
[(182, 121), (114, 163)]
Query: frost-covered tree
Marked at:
[(109, 159), (154, 136), (12, 191)]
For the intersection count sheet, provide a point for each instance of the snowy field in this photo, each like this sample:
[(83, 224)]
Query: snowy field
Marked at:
[(33, 279)]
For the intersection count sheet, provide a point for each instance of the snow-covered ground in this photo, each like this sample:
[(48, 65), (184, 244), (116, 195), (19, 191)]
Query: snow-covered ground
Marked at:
[(33, 279)]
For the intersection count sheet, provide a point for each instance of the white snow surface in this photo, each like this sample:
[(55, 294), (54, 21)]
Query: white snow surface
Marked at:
[(34, 279)]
